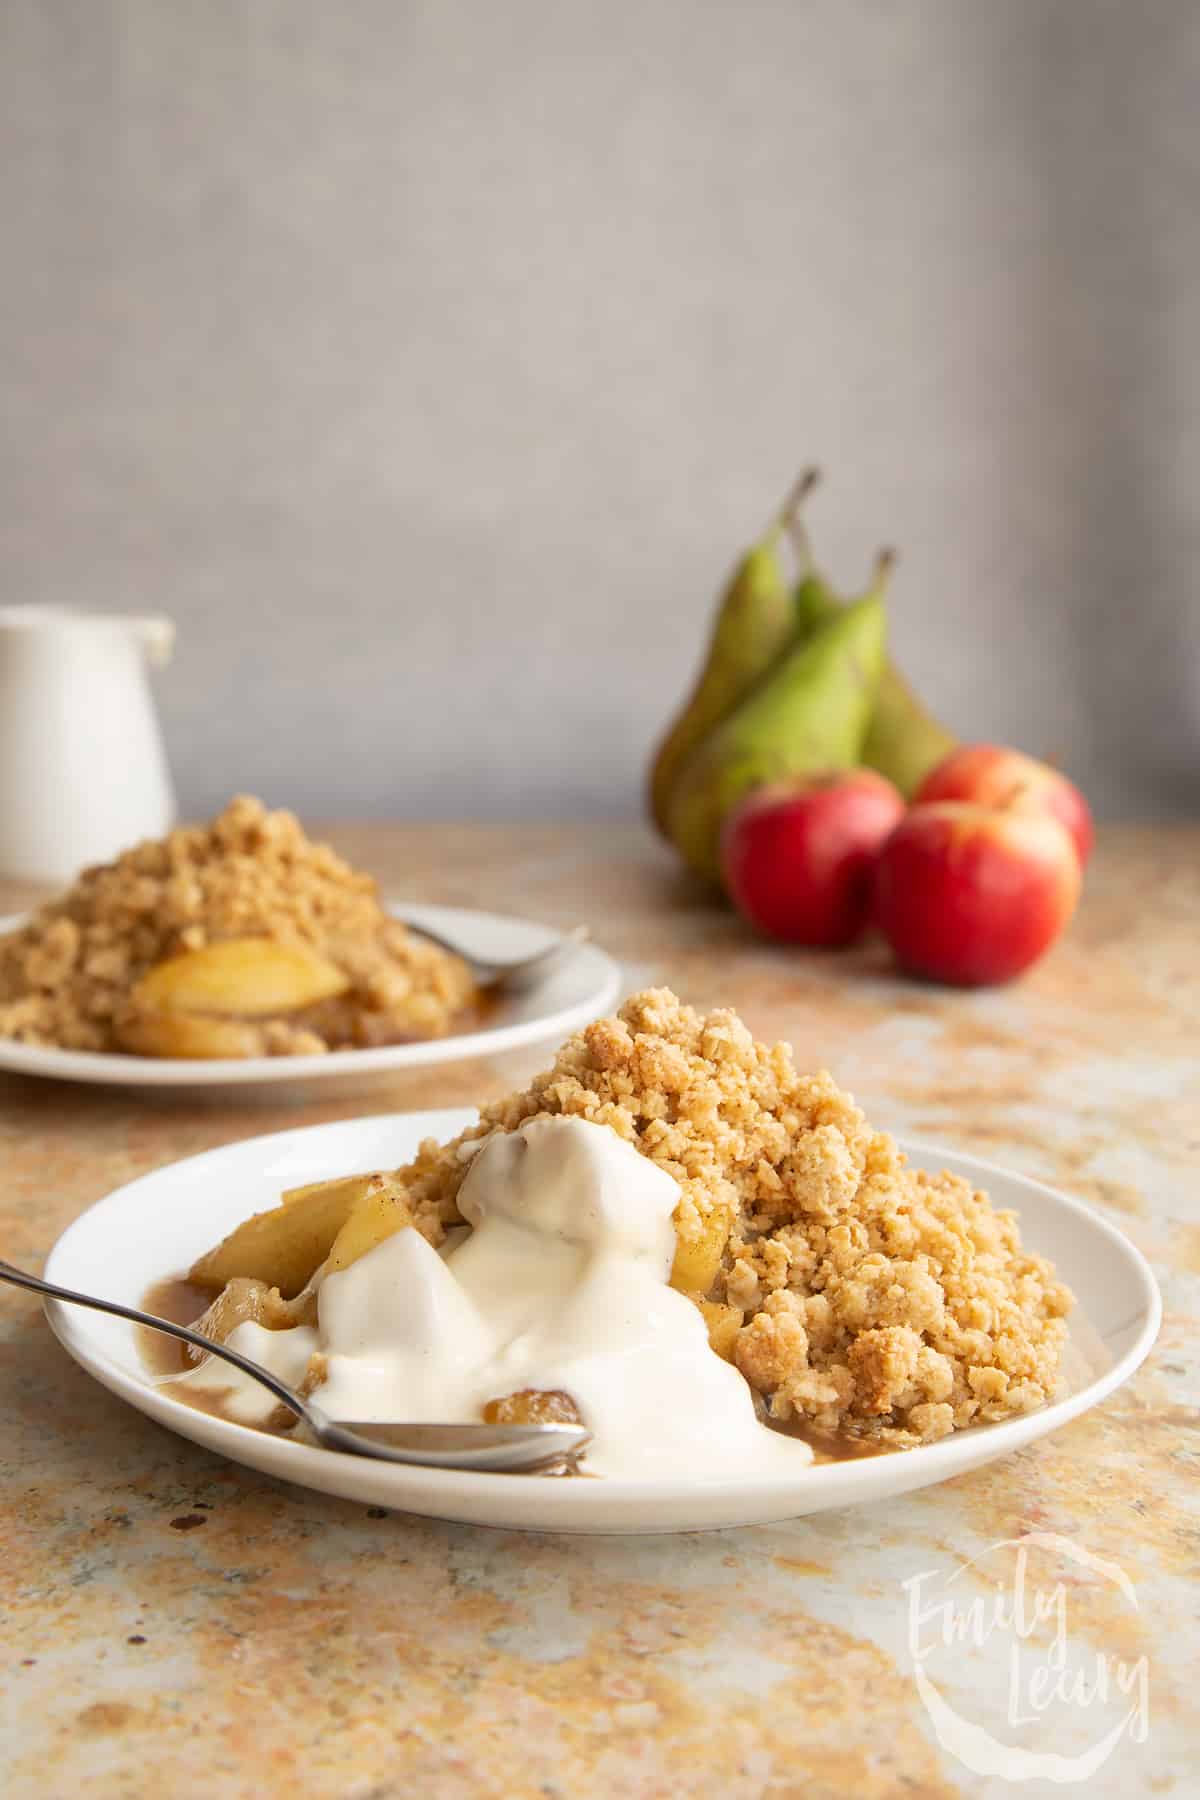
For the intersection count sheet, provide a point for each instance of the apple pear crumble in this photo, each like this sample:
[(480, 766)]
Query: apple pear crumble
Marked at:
[(238, 938), (856, 1295)]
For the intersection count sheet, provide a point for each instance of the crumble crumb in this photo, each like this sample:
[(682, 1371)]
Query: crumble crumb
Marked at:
[(66, 975), (879, 1301)]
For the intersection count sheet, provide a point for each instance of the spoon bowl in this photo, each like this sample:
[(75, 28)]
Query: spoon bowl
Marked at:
[(513, 975)]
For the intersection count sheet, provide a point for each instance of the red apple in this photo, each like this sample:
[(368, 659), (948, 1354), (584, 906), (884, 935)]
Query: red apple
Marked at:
[(971, 896), (992, 776), (797, 856)]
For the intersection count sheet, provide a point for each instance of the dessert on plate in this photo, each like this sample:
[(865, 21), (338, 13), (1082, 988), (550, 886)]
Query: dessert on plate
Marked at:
[(234, 939), (671, 1235)]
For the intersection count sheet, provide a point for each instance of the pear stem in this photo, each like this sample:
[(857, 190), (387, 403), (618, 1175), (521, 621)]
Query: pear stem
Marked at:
[(885, 563), (791, 521), (804, 485)]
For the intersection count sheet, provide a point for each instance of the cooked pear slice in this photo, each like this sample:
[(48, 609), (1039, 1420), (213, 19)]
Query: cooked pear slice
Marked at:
[(380, 1212), (698, 1257), (250, 978), (286, 1245), (185, 1035)]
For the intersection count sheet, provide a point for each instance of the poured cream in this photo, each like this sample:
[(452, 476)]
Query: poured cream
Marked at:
[(562, 1284)]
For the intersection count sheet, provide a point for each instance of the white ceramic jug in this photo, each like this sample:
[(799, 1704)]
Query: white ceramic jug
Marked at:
[(83, 773)]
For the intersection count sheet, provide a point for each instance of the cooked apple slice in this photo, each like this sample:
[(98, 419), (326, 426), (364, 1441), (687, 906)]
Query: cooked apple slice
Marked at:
[(243, 1301), (358, 1183), (286, 1245), (381, 1211), (185, 1035), (698, 1256), (250, 978)]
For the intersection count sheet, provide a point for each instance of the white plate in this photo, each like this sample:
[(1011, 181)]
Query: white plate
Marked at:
[(582, 987), (155, 1227)]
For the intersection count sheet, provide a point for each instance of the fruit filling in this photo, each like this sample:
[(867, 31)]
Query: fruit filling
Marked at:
[(532, 1406)]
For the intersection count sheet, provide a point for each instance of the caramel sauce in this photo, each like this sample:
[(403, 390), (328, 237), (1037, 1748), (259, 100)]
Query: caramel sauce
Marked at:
[(829, 1446), (180, 1301)]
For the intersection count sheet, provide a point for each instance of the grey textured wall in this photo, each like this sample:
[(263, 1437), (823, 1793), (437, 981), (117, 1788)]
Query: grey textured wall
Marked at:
[(429, 361)]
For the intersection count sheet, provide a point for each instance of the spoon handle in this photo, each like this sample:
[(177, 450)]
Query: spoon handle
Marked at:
[(280, 1389)]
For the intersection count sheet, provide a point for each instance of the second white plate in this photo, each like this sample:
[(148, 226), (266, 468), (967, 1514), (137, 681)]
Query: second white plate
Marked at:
[(580, 988), (155, 1227)]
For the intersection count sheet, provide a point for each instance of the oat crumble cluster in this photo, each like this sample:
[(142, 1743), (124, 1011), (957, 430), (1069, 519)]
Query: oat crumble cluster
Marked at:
[(864, 1297), (66, 976)]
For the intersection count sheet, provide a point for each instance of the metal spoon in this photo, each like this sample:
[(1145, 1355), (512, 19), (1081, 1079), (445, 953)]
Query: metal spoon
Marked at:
[(450, 1446), (511, 976)]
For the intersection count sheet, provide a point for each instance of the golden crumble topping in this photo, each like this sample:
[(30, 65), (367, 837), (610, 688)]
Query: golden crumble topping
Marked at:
[(854, 1293), (67, 977)]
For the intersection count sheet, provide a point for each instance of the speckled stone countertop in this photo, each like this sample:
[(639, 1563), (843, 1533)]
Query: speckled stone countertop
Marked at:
[(177, 1625)]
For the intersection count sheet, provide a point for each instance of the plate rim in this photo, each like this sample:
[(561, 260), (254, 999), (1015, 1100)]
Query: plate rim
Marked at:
[(110, 1069), (435, 1491)]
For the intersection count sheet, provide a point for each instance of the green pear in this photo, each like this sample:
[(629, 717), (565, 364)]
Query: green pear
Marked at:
[(754, 620), (809, 714), (904, 741)]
